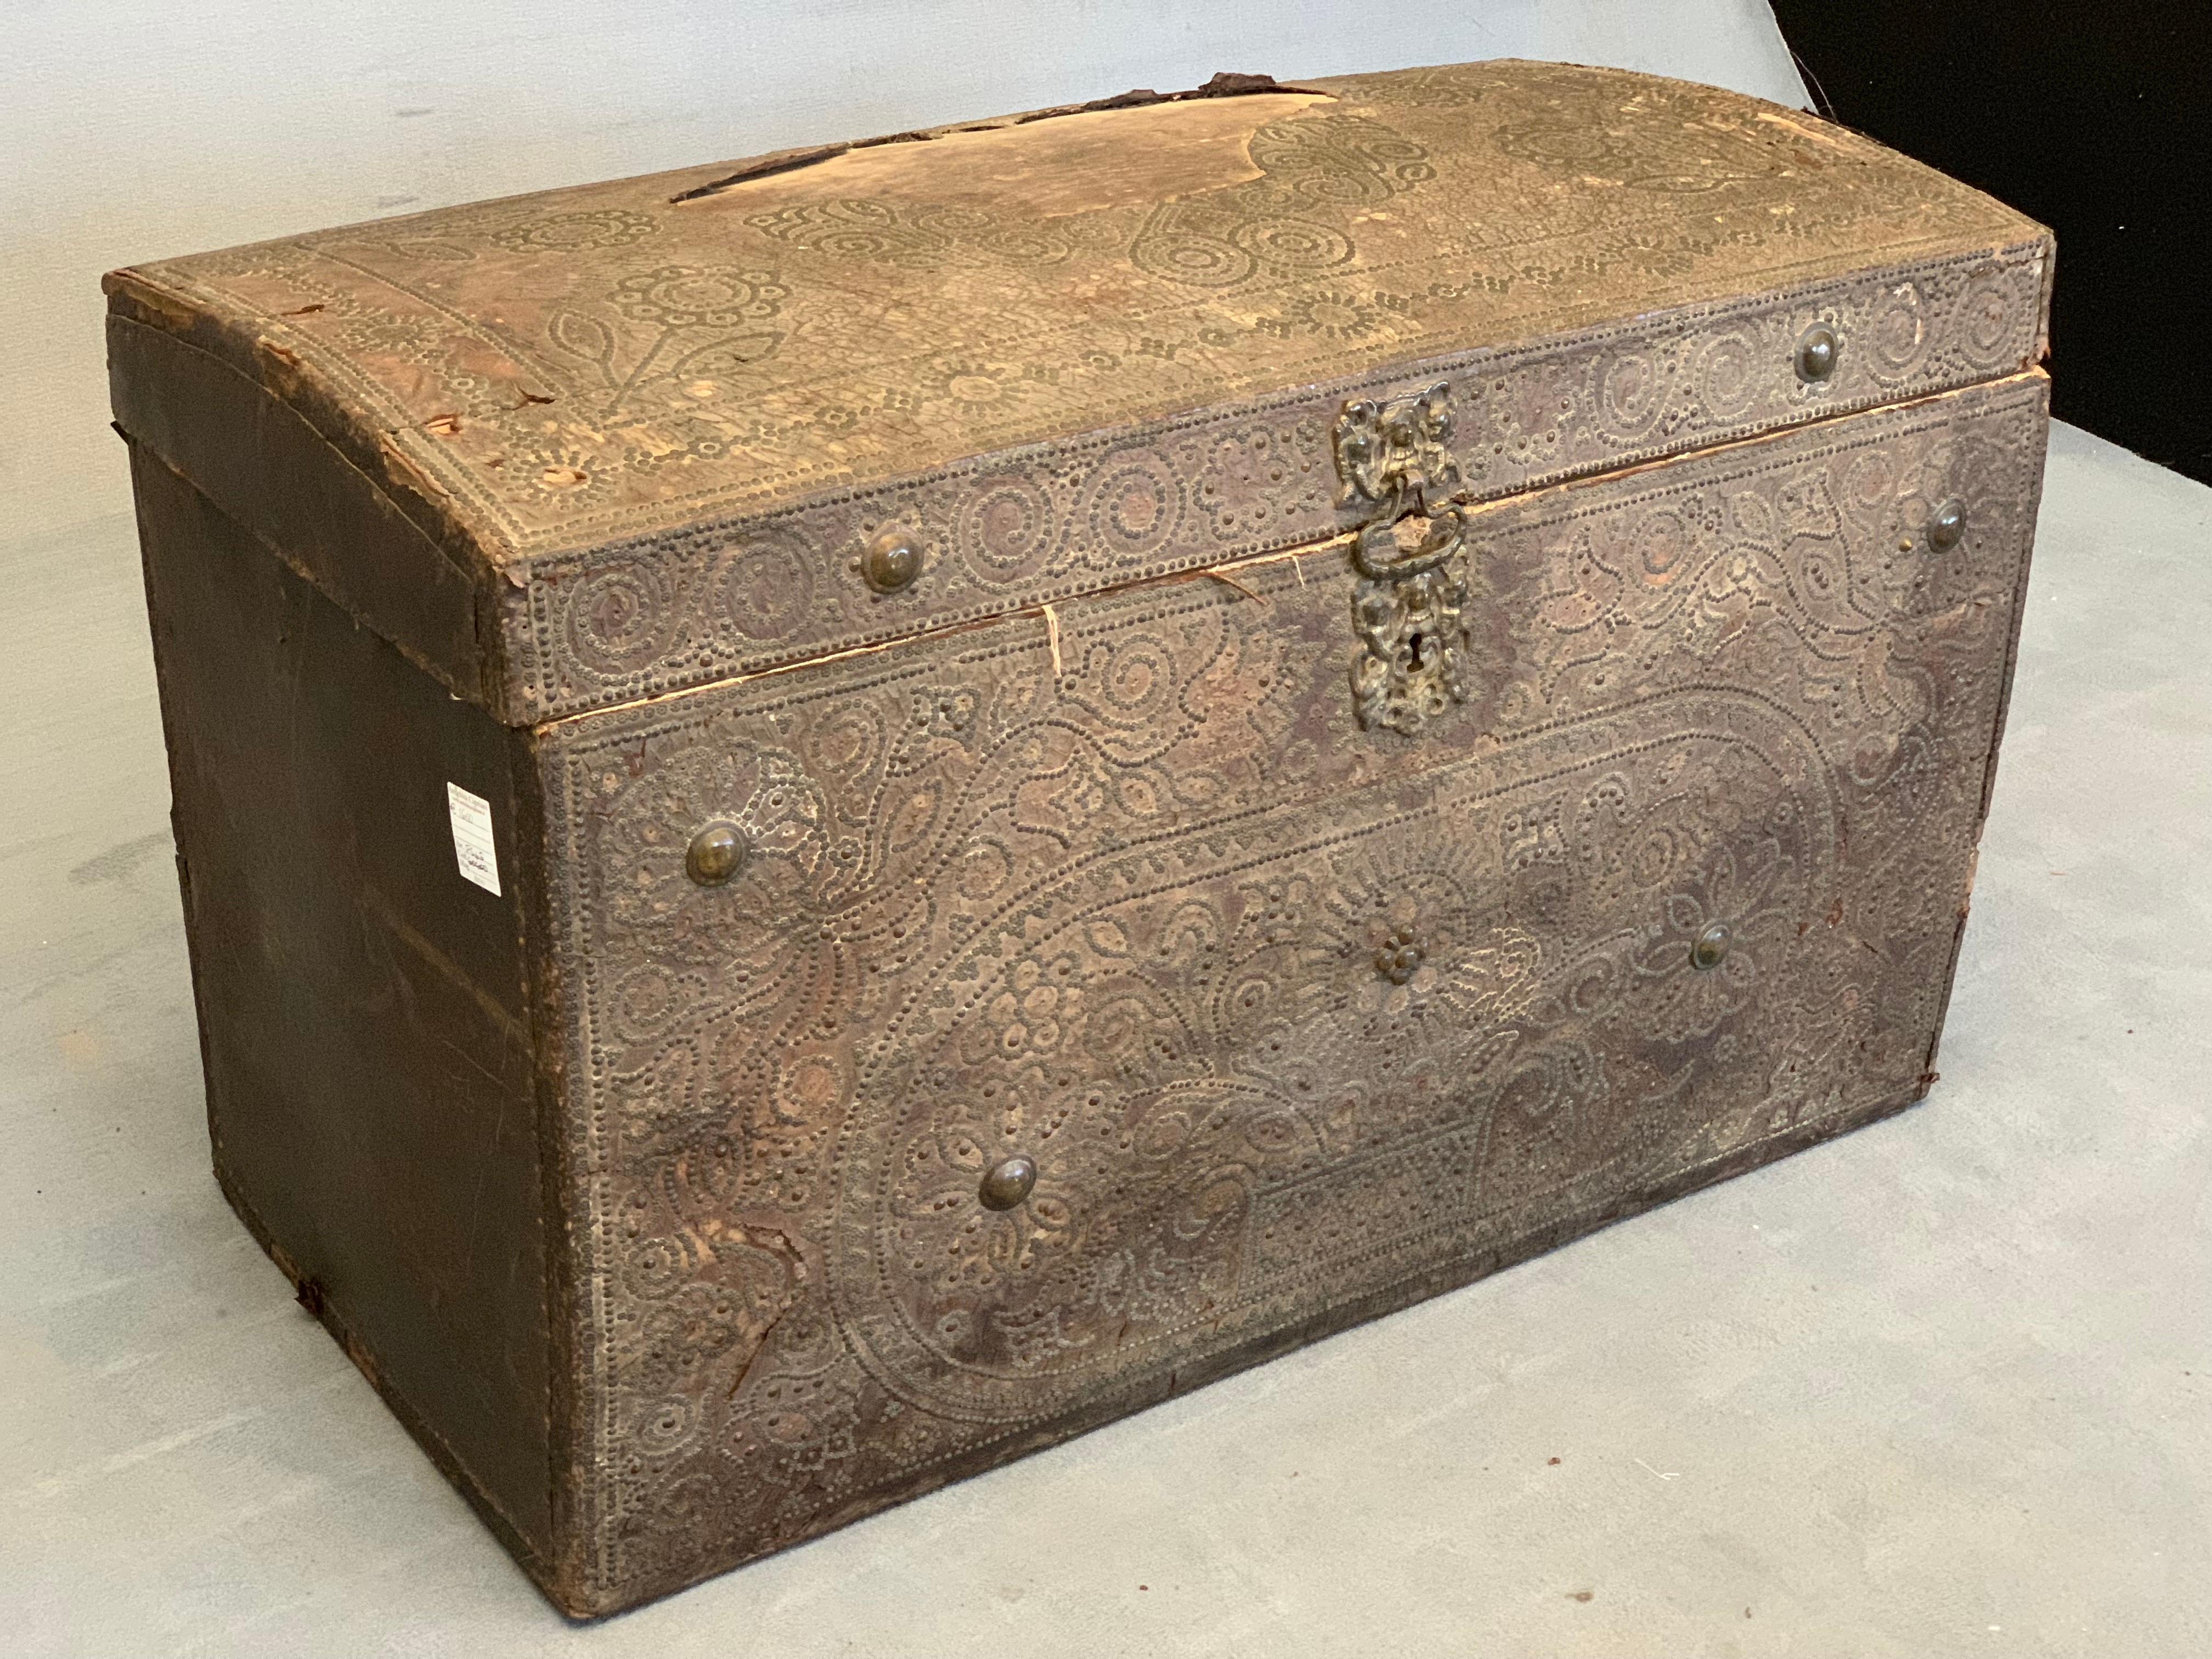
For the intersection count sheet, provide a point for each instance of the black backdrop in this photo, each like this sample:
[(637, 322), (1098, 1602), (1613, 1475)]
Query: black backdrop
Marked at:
[(2095, 118)]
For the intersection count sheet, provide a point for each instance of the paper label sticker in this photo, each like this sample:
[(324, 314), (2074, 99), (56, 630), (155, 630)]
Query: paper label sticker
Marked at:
[(472, 847)]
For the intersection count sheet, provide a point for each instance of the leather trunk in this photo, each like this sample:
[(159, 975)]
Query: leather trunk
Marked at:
[(1103, 742)]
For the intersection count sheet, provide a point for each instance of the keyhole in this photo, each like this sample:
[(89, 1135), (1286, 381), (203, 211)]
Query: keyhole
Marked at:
[(1413, 651)]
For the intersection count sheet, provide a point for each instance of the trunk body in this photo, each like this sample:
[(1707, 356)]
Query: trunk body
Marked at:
[(1112, 740)]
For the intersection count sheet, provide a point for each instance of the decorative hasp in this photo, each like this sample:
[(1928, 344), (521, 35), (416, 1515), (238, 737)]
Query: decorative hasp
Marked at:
[(1387, 453), (1409, 608)]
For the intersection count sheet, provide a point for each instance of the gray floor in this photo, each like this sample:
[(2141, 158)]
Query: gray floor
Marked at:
[(1943, 1387)]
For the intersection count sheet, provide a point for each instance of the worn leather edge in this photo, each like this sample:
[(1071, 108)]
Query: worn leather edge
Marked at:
[(569, 1476), (172, 753), (266, 465), (334, 400), (598, 1600)]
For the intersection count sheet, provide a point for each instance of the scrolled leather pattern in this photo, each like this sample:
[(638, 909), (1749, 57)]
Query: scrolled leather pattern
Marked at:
[(1293, 1018), (1047, 522)]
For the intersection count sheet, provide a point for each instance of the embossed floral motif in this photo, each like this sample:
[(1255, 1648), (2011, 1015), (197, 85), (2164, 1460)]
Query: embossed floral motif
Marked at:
[(1335, 315), (1583, 137), (555, 466), (1341, 160), (847, 229), (650, 999), (766, 795), (1028, 1018), (1399, 956), (1415, 917), (1285, 243), (975, 387), (1035, 242), (573, 233), (1662, 255), (409, 339), (1405, 979), (1676, 999), (971, 1247), (620, 609), (699, 296), (1035, 1288), (1221, 1074), (1545, 408), (1577, 137), (1228, 1050), (791, 1444)]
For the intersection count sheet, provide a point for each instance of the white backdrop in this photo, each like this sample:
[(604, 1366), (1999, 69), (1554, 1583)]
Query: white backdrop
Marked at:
[(135, 129)]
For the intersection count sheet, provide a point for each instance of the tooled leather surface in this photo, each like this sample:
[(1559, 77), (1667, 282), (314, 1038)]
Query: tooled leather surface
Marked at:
[(1286, 1013), (617, 398), (1052, 520)]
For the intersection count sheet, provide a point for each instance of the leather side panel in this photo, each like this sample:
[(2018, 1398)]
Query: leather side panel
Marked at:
[(365, 1017), (257, 459)]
